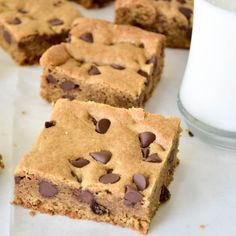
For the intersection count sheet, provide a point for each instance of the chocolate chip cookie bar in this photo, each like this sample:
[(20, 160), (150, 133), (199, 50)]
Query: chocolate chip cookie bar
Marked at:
[(93, 3), (172, 18), (103, 62), (102, 163), (29, 27)]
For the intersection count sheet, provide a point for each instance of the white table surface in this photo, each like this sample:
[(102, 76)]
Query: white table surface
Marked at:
[(204, 189)]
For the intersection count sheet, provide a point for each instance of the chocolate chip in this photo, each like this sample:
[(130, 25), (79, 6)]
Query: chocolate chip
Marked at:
[(15, 21), (57, 3), (154, 158), (187, 12), (165, 194), (49, 124), (103, 156), (152, 60), (84, 196), (47, 189), (18, 179), (79, 163), (145, 152), (94, 71), (146, 138), (98, 209), (132, 196), (118, 67), (182, 1), (144, 74), (69, 97), (79, 180), (87, 37), (55, 22), (171, 156), (109, 178), (103, 125), (190, 134), (141, 45), (22, 11), (140, 181), (7, 36), (51, 79), (67, 85)]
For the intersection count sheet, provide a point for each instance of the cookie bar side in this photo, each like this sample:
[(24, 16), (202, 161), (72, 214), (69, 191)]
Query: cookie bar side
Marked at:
[(40, 194), (56, 85), (159, 18), (29, 50)]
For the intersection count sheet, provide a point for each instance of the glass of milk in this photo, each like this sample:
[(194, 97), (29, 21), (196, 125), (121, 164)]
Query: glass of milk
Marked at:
[(207, 97)]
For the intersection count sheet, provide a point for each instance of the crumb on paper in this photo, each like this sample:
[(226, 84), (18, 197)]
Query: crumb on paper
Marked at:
[(1, 162), (15, 146), (23, 112), (202, 226), (190, 133), (32, 213)]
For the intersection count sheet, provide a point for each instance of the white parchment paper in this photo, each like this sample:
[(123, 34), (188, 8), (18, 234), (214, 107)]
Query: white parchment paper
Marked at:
[(203, 192)]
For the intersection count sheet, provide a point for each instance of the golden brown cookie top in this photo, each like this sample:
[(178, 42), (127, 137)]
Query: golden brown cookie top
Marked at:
[(85, 142), (99, 52), (23, 18)]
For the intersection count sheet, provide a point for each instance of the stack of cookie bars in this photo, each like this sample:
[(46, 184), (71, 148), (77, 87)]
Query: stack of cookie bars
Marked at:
[(100, 156)]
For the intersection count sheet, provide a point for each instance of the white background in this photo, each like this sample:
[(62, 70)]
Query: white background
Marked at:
[(204, 189)]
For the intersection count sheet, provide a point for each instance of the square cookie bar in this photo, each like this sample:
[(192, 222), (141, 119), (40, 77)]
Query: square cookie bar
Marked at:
[(102, 163), (29, 27), (103, 62), (172, 18), (92, 3)]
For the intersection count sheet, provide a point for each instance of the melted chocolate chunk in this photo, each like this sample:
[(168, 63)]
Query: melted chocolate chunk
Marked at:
[(140, 181), (103, 156), (7, 36), (102, 126), (117, 67), (146, 138), (55, 22), (144, 74), (51, 79), (67, 85), (94, 71), (132, 196), (84, 196), (69, 97), (87, 37), (79, 163), (15, 21), (109, 178), (47, 189), (154, 158)]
